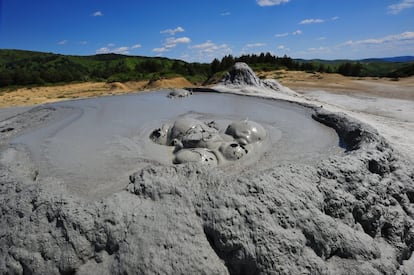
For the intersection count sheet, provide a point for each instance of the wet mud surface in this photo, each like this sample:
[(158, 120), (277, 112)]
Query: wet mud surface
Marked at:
[(304, 206), (97, 143)]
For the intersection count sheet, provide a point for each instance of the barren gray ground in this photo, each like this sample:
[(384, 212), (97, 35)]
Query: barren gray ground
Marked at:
[(342, 213)]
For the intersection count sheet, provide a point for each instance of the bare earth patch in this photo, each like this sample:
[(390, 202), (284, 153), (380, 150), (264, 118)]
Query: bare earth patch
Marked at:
[(39, 95), (384, 103), (303, 82)]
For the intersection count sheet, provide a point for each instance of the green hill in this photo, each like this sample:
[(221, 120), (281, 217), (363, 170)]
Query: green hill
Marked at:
[(23, 68), (367, 67), (36, 68)]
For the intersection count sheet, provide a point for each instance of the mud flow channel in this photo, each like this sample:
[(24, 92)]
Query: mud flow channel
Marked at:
[(94, 148)]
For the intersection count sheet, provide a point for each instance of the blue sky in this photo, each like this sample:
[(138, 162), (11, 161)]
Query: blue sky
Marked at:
[(201, 30)]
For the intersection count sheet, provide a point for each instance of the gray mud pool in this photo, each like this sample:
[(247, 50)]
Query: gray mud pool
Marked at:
[(98, 143)]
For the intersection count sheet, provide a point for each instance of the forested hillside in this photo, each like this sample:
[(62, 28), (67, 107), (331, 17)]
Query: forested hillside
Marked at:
[(28, 68), (21, 68)]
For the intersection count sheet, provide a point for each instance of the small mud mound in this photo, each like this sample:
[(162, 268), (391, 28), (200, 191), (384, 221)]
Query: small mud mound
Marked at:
[(179, 93), (241, 74), (242, 79)]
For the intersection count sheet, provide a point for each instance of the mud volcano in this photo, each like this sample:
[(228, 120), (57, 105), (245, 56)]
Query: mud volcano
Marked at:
[(102, 187), (94, 145)]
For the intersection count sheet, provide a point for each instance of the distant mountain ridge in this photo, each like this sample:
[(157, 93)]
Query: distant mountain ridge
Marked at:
[(390, 59), (401, 59)]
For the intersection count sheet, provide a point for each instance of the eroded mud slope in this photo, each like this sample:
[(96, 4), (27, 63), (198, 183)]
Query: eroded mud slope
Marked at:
[(350, 214)]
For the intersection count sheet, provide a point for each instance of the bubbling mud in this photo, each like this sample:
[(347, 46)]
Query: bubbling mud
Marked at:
[(202, 142)]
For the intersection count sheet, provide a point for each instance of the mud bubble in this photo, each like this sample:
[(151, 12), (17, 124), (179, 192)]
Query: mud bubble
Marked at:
[(193, 140)]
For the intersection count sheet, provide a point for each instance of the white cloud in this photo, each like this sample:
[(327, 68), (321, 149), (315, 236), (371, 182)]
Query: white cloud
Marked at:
[(282, 34), (405, 36), (318, 52), (83, 42), (136, 46), (172, 42), (390, 45), (103, 50), (311, 21), (298, 32), (319, 49), (210, 50), (335, 18), (173, 31), (321, 38), (63, 42), (180, 40), (206, 45), (160, 50), (397, 8), (255, 45), (225, 13), (121, 50), (265, 3), (185, 56), (97, 14), (283, 48)]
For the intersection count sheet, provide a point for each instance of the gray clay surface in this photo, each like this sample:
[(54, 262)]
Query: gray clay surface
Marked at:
[(94, 145), (343, 213)]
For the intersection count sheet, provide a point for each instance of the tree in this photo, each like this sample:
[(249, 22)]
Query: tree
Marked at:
[(215, 66), (322, 68), (307, 67), (328, 70), (269, 58), (356, 69), (149, 66), (350, 69), (227, 62), (345, 69), (6, 79), (286, 61), (179, 68)]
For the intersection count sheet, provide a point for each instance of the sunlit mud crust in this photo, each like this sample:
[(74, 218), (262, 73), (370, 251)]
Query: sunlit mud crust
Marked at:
[(349, 213)]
